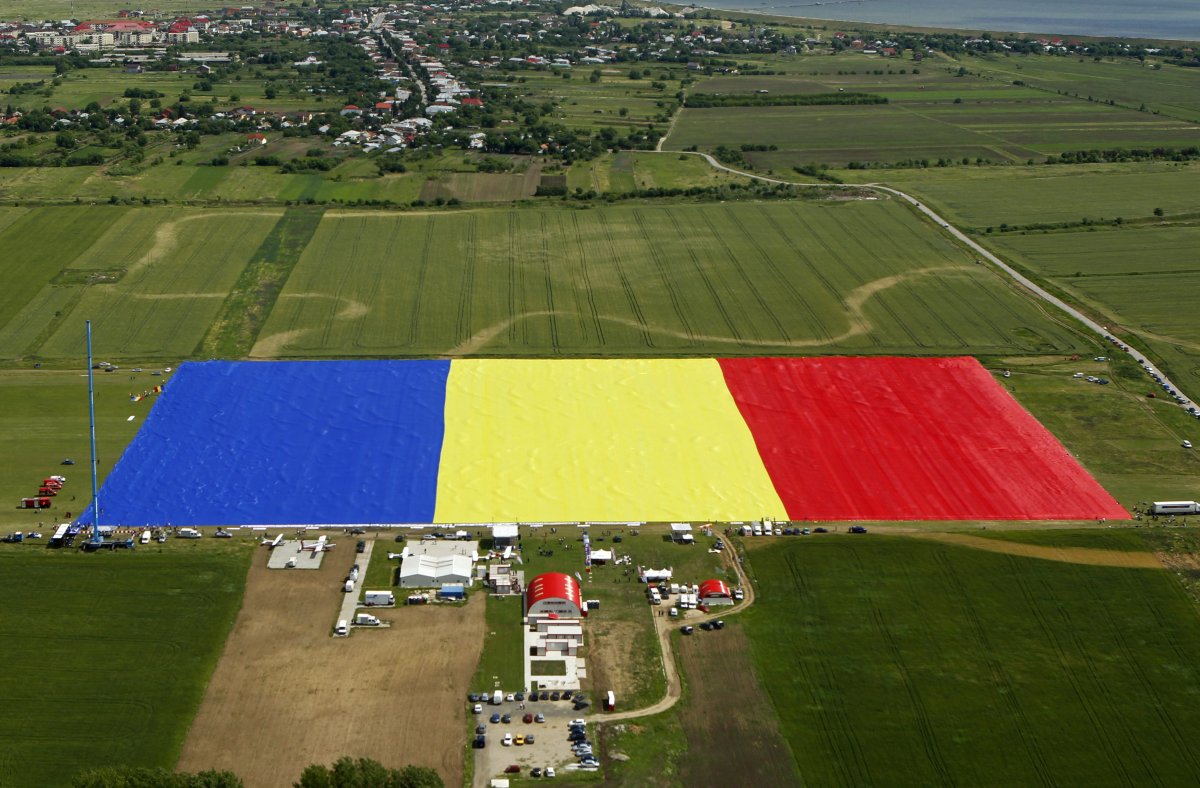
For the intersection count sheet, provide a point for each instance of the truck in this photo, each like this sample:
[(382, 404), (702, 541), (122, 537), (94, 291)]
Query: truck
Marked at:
[(366, 620), (379, 599), (1175, 507), (497, 698)]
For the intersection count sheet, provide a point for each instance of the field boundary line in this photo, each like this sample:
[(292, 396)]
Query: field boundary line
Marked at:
[(1034, 288), (1088, 556)]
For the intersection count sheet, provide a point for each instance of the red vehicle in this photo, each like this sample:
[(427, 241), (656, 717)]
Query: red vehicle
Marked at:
[(513, 769), (47, 490), (42, 502)]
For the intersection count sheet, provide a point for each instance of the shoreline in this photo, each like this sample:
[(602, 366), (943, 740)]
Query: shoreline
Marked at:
[(764, 11)]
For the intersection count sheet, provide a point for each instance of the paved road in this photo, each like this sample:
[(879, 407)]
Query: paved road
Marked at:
[(962, 237), (350, 599)]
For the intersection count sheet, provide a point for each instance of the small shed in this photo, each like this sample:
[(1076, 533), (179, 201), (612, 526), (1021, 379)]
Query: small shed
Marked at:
[(682, 533), (453, 591)]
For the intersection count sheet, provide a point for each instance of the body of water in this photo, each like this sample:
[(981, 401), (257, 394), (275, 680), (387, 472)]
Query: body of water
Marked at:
[(1165, 19)]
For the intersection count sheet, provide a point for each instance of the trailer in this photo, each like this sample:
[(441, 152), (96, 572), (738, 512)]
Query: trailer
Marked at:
[(378, 598), (1175, 507), (60, 535), (38, 502)]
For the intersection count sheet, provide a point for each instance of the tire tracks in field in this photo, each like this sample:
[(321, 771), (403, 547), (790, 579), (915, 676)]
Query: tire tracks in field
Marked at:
[(854, 302), (928, 734), (1102, 687), (837, 732), (1000, 678), (1066, 665), (270, 346)]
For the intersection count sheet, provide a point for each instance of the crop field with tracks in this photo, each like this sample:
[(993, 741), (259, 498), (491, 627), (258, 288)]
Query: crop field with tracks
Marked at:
[(736, 279), (883, 654), (118, 645)]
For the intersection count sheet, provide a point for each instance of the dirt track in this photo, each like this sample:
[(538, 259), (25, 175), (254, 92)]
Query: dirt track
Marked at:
[(285, 694), (1131, 559)]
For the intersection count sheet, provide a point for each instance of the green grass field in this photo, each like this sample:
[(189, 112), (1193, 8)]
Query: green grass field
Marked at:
[(1138, 278), (647, 280), (938, 113), (883, 656), (107, 656)]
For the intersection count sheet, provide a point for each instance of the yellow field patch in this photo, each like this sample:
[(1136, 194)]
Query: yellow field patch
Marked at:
[(630, 439)]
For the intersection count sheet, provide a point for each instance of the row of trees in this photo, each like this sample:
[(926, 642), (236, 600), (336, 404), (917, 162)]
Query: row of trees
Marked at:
[(345, 773)]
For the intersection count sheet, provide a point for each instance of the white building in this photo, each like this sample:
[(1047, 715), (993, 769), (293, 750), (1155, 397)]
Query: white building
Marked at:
[(431, 571)]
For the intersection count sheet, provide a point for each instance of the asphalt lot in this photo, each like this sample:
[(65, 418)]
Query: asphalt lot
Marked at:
[(550, 747)]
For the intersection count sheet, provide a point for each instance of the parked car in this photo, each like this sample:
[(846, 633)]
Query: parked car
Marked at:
[(536, 771), (820, 530), (480, 728), (519, 697), (858, 529), (477, 709), (507, 718), (480, 742), (544, 696), (507, 740), (687, 630), (555, 696), (520, 740), (539, 718), (549, 771), (361, 547), (495, 718), (529, 738), (512, 769), (528, 718), (706, 625), (718, 624)]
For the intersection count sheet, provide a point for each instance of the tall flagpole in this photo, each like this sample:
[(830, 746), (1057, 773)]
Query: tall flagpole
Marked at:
[(92, 425)]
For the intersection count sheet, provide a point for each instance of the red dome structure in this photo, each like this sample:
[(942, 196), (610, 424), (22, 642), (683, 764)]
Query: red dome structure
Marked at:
[(715, 590), (554, 593)]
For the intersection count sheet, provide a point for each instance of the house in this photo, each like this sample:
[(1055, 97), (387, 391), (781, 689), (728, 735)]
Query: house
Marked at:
[(256, 139)]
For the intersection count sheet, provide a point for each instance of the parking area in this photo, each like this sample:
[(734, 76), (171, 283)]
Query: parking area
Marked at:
[(550, 747)]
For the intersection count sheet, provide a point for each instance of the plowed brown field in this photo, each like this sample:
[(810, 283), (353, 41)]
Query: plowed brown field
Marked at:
[(285, 694)]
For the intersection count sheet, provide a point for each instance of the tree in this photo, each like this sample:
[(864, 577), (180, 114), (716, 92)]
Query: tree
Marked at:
[(1158, 211), (348, 772), (143, 777), (64, 140)]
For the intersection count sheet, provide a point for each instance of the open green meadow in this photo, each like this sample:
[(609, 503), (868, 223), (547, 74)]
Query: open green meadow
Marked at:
[(975, 198), (583, 104), (107, 656), (685, 279), (883, 656), (1160, 87), (628, 170), (1140, 278)]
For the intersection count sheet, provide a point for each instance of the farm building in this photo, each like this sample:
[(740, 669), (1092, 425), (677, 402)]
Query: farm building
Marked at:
[(432, 571), (554, 593), (715, 592)]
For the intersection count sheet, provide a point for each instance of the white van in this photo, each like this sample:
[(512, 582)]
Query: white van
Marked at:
[(342, 629), (757, 529)]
